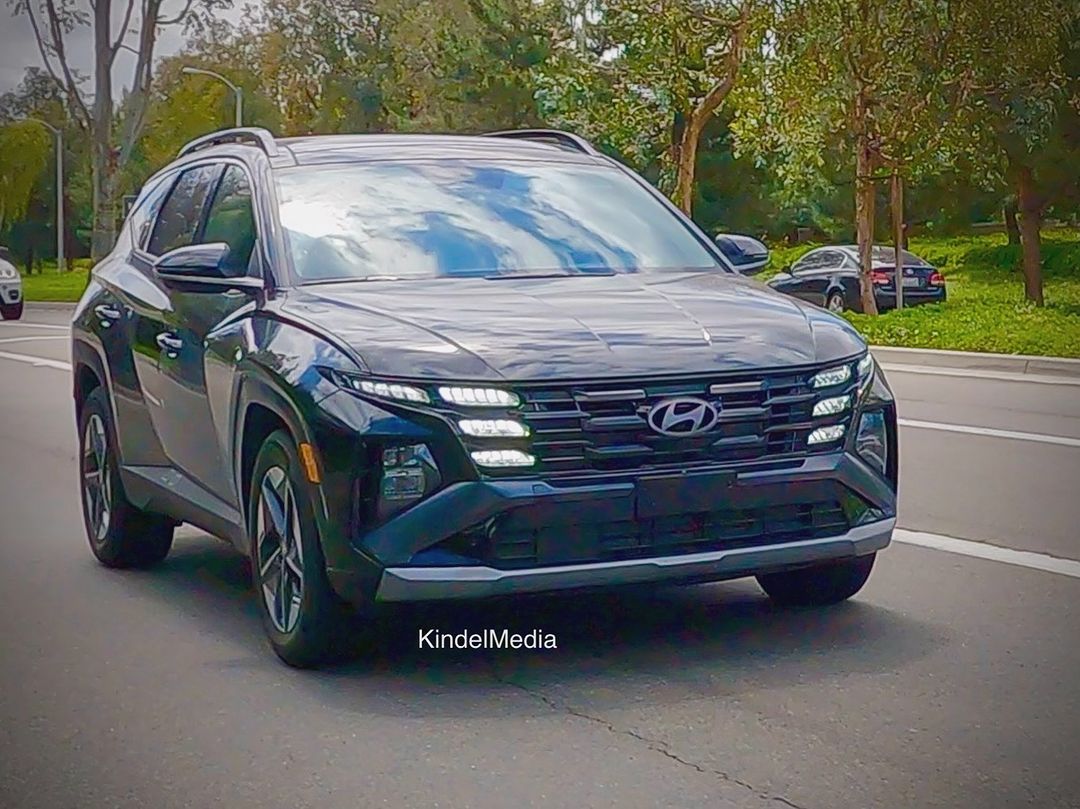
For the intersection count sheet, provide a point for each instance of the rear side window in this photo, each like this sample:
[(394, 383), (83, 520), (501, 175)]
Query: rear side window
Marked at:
[(231, 219), (147, 209), (180, 216), (814, 261)]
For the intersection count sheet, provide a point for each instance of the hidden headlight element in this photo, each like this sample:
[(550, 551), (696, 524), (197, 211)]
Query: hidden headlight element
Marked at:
[(831, 376), (832, 406), (493, 428), (479, 397), (825, 435), (502, 458), (382, 390), (871, 441)]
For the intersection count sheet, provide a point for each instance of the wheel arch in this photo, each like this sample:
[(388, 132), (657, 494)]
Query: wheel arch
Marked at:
[(88, 372)]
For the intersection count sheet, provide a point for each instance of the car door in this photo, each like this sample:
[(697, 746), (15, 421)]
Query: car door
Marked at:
[(168, 330), (810, 281)]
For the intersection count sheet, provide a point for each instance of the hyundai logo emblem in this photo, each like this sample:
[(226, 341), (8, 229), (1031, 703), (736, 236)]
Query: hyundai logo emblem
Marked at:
[(683, 417)]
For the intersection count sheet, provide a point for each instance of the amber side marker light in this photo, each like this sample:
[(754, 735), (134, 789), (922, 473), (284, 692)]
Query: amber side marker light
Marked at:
[(307, 458)]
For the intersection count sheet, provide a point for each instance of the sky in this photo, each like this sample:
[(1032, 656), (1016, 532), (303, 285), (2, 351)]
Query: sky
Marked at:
[(18, 50)]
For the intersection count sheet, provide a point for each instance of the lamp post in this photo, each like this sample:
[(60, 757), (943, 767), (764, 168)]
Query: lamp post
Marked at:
[(59, 136), (238, 93)]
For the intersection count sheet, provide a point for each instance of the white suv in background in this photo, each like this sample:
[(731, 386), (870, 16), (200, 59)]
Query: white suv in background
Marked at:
[(11, 299)]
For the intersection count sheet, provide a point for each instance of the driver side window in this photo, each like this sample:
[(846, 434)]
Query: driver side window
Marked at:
[(231, 219)]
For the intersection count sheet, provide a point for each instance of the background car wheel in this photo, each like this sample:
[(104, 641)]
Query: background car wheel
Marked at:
[(835, 302), (304, 620), (120, 535), (11, 311), (819, 585)]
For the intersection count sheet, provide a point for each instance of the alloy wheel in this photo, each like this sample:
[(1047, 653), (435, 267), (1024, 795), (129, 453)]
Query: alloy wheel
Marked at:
[(96, 478), (280, 554)]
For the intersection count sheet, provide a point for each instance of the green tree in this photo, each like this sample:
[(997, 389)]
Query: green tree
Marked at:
[(24, 154), (645, 77)]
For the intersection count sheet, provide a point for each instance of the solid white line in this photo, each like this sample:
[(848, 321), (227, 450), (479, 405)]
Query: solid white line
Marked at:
[(1041, 438), (33, 337), (39, 362), (972, 373), (995, 553), (20, 324)]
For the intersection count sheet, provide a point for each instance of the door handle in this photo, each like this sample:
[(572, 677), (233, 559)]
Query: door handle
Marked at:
[(107, 314), (169, 343)]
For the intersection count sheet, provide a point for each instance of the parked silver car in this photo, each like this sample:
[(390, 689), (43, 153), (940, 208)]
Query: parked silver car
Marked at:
[(11, 297)]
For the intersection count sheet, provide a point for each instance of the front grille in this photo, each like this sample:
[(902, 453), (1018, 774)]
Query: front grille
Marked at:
[(603, 427), (507, 543)]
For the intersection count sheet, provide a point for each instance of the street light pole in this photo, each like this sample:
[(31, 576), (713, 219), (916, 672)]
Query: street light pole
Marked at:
[(59, 136), (238, 93)]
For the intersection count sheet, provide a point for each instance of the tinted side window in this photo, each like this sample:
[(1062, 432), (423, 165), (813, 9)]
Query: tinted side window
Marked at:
[(231, 219), (179, 219), (811, 261), (146, 210)]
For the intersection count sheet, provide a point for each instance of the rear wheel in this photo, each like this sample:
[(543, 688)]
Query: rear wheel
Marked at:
[(819, 585), (835, 302), (305, 622), (120, 534), (11, 311)]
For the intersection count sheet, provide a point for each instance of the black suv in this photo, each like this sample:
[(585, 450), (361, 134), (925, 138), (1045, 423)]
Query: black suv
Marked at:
[(395, 368)]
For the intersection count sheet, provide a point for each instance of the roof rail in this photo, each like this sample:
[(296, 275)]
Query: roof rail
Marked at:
[(254, 135), (564, 140)]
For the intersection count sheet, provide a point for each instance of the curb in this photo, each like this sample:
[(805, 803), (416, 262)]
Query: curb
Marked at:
[(979, 361), (62, 306)]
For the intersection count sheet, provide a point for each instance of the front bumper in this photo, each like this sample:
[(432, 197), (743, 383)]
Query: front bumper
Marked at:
[(574, 517), (10, 292), (431, 583)]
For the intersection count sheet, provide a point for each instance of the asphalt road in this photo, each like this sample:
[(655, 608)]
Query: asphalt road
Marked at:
[(950, 681)]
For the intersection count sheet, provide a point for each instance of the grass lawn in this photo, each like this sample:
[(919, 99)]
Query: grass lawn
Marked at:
[(986, 310)]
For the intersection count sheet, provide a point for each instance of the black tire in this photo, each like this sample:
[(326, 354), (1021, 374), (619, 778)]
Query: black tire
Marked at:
[(835, 302), (313, 628), (819, 585), (120, 535), (11, 311)]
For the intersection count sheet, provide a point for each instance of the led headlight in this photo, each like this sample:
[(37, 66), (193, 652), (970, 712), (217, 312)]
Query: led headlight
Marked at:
[(831, 376), (502, 457), (493, 428), (825, 435), (871, 441), (832, 406), (382, 390), (479, 397)]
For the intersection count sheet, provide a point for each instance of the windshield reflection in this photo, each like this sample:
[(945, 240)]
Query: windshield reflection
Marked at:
[(452, 219)]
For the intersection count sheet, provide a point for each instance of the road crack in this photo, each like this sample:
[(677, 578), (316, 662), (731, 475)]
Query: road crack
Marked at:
[(655, 745)]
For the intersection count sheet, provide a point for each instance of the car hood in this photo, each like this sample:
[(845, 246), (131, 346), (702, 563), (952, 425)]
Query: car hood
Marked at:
[(576, 327)]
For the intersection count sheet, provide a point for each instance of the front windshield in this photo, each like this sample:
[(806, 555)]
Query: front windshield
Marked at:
[(455, 219)]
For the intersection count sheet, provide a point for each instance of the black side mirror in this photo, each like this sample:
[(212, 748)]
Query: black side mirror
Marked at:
[(201, 265), (747, 255)]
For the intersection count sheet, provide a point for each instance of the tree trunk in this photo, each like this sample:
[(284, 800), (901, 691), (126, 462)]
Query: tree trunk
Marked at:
[(686, 165), (1013, 229), (896, 209), (1030, 226), (864, 220), (102, 167)]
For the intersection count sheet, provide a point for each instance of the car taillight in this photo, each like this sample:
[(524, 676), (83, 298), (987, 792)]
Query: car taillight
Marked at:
[(936, 279), (880, 277)]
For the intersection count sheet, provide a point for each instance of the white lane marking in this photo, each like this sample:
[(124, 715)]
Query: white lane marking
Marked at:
[(33, 337), (995, 553), (971, 373), (19, 324), (39, 362), (1041, 438)]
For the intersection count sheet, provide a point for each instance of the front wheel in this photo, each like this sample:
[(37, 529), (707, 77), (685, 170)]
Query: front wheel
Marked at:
[(11, 311), (819, 585), (304, 621)]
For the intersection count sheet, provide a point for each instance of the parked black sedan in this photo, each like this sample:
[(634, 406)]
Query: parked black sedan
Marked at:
[(829, 277)]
